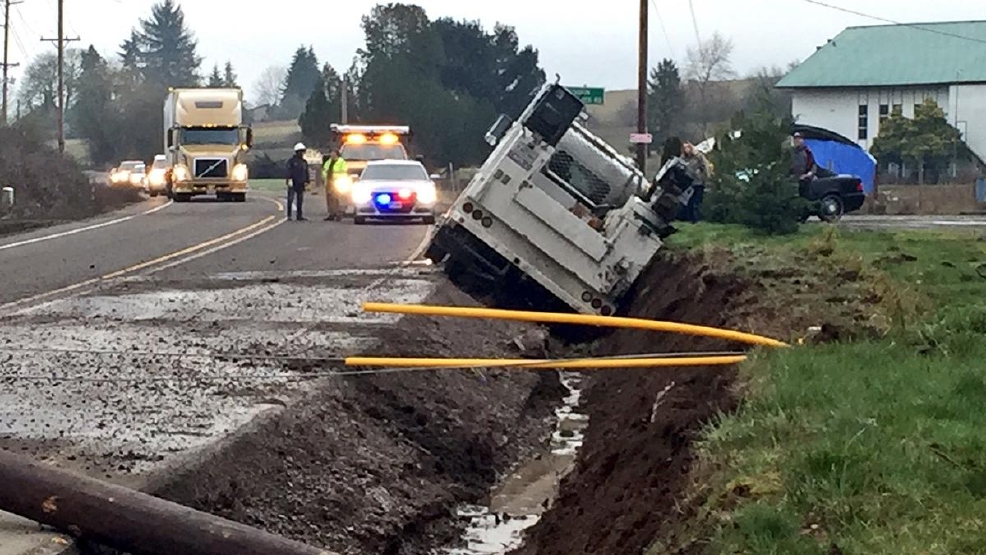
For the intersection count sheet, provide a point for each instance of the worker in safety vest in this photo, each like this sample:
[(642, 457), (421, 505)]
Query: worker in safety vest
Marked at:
[(337, 185)]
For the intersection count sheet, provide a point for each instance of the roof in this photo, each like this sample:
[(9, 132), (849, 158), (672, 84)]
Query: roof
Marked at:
[(896, 55)]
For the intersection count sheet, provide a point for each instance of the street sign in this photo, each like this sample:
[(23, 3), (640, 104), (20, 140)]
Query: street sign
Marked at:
[(641, 138), (589, 95)]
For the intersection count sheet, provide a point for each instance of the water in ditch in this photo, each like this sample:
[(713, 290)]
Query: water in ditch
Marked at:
[(518, 503)]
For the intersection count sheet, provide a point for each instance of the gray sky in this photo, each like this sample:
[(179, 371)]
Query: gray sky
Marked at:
[(594, 46)]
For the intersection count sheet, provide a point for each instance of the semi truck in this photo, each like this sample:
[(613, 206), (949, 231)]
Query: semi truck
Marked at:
[(206, 143), (556, 219)]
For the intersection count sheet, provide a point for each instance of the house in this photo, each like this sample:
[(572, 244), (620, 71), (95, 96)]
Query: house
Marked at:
[(856, 80)]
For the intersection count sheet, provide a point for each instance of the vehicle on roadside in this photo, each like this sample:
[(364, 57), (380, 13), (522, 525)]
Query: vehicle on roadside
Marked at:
[(361, 144), (130, 173), (556, 219), (206, 142), (831, 196), (394, 190), (157, 178)]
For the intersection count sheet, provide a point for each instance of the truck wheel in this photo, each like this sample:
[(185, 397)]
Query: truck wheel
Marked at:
[(831, 208), (154, 194), (182, 197), (239, 197)]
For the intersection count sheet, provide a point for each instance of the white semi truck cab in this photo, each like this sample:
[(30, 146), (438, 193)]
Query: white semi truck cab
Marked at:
[(556, 217)]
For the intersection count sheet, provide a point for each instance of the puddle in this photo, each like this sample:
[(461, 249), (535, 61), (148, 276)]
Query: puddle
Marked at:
[(525, 495)]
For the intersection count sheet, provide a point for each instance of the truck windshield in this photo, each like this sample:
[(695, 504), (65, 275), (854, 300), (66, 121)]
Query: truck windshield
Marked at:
[(367, 152), (394, 172), (209, 136), (134, 167)]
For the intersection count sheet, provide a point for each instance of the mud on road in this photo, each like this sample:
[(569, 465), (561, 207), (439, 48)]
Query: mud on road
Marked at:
[(151, 383)]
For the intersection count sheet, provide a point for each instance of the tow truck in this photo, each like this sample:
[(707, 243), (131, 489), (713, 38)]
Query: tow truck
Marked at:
[(556, 219), (361, 144)]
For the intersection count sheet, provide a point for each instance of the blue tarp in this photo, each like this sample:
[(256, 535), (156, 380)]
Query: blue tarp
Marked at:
[(840, 154)]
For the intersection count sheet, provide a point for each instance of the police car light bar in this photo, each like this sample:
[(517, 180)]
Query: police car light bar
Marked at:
[(370, 129)]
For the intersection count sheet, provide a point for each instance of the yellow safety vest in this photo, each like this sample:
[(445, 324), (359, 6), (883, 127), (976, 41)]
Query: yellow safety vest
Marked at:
[(337, 168)]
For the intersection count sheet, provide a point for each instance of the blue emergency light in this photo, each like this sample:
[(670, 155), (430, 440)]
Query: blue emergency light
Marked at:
[(383, 199)]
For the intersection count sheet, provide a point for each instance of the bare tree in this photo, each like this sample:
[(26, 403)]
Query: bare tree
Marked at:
[(707, 65), (270, 85)]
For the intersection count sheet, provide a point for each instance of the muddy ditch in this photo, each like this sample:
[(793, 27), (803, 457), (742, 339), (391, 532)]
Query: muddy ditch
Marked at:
[(385, 463)]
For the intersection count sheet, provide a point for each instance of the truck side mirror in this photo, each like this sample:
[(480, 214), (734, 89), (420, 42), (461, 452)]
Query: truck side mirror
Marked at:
[(171, 139), (249, 137)]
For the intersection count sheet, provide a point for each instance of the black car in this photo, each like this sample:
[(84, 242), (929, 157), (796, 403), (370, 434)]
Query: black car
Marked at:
[(831, 195)]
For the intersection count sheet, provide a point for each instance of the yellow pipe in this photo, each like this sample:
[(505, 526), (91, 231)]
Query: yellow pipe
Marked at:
[(576, 319), (528, 364)]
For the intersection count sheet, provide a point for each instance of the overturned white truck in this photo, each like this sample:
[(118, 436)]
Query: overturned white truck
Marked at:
[(556, 219)]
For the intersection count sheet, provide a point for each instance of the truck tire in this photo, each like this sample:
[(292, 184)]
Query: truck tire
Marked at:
[(182, 197), (239, 197)]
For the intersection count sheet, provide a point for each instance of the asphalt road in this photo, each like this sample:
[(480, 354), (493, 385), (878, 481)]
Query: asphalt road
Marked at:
[(913, 222), (158, 276)]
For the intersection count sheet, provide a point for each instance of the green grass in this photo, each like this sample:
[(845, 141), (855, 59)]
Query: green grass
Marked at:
[(268, 185), (870, 447)]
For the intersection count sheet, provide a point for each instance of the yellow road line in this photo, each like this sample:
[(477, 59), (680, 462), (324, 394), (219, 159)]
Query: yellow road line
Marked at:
[(188, 250), (141, 266)]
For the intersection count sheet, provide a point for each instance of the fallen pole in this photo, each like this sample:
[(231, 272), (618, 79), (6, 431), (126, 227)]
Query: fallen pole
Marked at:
[(574, 319), (125, 519)]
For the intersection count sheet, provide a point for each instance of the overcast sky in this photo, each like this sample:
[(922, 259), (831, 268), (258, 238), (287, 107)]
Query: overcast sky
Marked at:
[(595, 46)]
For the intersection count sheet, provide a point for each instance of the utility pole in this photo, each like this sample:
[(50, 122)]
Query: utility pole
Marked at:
[(345, 99), (642, 88), (61, 40), (6, 62)]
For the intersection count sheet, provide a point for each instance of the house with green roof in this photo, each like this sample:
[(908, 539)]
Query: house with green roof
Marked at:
[(857, 79)]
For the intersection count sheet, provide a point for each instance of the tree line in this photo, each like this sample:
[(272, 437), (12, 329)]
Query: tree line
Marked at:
[(447, 79)]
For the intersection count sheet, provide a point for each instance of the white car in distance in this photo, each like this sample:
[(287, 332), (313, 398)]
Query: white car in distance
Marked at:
[(392, 190)]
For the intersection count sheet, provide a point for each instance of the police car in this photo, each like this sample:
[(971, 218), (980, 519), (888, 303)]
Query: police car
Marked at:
[(394, 190)]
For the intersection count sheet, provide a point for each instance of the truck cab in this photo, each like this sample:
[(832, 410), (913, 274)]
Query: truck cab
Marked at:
[(555, 215), (206, 143)]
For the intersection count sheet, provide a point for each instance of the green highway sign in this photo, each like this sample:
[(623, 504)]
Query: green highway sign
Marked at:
[(589, 95)]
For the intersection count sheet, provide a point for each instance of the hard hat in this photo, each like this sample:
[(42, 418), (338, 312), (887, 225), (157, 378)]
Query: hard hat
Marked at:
[(300, 146)]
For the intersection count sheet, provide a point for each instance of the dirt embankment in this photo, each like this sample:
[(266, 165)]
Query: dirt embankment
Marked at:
[(635, 463), (378, 463)]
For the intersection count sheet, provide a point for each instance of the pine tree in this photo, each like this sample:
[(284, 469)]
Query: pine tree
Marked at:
[(665, 101), (302, 79), (169, 47), (215, 78), (317, 117), (93, 115), (229, 76)]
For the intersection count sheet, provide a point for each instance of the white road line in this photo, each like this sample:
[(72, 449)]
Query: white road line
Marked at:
[(83, 229)]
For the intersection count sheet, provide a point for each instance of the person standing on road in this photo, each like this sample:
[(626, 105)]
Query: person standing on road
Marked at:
[(334, 167), (700, 170), (297, 179)]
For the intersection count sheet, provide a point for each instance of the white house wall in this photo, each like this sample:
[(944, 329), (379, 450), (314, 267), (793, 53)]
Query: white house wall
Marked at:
[(838, 109), (967, 112)]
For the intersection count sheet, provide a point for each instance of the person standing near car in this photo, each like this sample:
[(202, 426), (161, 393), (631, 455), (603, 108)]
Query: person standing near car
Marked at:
[(297, 179), (802, 162), (334, 167), (700, 170)]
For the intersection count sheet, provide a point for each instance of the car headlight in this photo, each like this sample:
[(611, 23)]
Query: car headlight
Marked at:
[(181, 173), (156, 178), (361, 194), (427, 194), (240, 172), (343, 184)]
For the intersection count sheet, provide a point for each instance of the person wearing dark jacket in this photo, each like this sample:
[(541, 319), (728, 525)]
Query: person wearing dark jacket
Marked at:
[(297, 179)]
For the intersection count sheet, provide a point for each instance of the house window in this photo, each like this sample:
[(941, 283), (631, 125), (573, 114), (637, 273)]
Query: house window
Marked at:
[(898, 109), (864, 113), (884, 112)]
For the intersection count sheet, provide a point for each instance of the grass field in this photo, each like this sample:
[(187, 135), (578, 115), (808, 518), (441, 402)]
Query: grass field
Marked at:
[(875, 446)]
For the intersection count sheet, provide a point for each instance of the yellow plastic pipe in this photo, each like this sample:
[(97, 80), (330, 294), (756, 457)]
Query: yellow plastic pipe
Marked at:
[(528, 364), (576, 319)]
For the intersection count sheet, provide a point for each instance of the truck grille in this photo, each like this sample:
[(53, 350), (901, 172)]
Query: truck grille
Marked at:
[(211, 167)]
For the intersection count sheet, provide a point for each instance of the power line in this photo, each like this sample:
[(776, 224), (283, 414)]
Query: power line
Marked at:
[(916, 26), (698, 36), (660, 21)]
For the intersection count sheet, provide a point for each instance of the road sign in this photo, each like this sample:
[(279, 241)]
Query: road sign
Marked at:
[(589, 95), (641, 138)]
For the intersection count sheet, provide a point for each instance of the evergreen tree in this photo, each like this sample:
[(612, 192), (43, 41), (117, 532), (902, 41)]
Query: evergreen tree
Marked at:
[(317, 117), (93, 115), (665, 101), (229, 76), (215, 78), (303, 78), (168, 47)]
